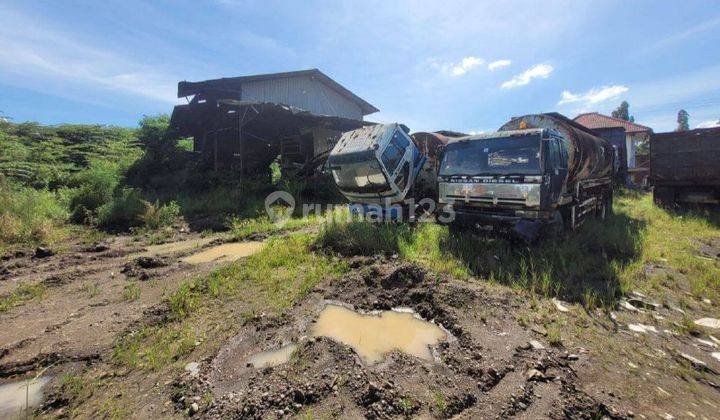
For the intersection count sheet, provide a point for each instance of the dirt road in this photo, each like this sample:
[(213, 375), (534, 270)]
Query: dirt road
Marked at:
[(507, 353)]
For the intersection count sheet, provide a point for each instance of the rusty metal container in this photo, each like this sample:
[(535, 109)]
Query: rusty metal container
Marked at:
[(589, 156), (686, 157)]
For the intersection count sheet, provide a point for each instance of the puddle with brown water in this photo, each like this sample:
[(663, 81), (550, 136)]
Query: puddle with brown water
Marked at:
[(225, 252), (372, 336), (173, 247), (15, 395), (272, 358)]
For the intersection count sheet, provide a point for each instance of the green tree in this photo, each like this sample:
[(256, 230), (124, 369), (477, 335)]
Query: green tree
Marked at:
[(683, 120), (623, 112), (157, 138), (164, 154)]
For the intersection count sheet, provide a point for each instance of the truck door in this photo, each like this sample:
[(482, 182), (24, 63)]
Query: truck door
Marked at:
[(562, 165), (554, 169), (397, 159)]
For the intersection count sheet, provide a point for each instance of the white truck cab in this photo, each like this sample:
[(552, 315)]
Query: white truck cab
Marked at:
[(375, 164)]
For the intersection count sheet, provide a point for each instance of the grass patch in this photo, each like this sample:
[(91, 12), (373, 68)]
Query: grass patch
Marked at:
[(587, 260), (75, 388), (158, 215), (271, 280), (153, 348), (593, 266), (92, 289), (29, 217), (672, 240), (245, 228), (554, 336), (440, 404), (131, 292), (24, 292), (282, 272)]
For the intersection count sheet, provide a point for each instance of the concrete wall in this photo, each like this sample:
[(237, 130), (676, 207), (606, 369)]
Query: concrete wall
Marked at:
[(303, 92)]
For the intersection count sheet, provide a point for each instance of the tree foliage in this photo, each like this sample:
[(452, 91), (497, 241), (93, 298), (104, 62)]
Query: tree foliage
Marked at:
[(50, 156), (623, 112), (683, 120)]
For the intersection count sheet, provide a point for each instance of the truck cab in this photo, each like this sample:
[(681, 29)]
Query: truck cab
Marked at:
[(503, 178), (375, 164)]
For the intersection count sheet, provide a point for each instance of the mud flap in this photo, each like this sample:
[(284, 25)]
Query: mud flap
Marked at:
[(527, 230)]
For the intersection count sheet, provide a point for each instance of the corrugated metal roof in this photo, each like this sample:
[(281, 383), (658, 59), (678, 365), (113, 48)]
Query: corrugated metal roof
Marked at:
[(595, 120), (186, 88)]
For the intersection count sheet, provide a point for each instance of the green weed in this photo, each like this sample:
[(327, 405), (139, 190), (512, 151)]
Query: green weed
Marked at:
[(131, 292), (22, 293)]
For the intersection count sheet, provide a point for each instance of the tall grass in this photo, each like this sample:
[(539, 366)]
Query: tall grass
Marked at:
[(594, 265), (29, 216)]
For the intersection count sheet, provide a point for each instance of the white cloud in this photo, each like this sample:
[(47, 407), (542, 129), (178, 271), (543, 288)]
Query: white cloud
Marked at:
[(709, 124), (46, 57), (541, 71), (593, 96), (498, 64), (689, 33), (462, 67)]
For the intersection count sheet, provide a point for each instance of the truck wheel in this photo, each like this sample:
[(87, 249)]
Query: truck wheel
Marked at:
[(565, 214), (663, 196), (556, 225), (454, 228), (605, 209)]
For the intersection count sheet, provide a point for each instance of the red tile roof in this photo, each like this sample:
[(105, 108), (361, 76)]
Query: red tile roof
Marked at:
[(593, 120)]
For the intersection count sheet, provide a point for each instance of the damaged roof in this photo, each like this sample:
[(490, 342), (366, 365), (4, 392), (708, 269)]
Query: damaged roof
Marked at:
[(186, 88)]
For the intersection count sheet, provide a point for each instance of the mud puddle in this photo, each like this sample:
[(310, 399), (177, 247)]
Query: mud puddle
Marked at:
[(272, 358), (225, 252), (173, 247), (16, 396), (372, 336)]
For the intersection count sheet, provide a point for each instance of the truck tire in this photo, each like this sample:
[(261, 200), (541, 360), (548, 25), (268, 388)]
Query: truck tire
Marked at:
[(556, 225), (664, 196), (606, 206), (601, 210), (455, 228), (565, 213)]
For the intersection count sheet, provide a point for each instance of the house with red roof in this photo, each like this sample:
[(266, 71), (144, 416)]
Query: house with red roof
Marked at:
[(635, 134)]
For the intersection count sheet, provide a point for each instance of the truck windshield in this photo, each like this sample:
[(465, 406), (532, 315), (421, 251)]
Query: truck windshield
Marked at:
[(362, 177), (500, 156)]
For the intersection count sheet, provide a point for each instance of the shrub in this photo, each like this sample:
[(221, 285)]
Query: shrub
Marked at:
[(47, 156), (122, 211), (95, 188), (166, 161), (157, 216), (29, 216)]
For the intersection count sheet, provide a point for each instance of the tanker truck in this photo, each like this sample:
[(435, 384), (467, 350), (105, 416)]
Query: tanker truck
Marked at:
[(538, 171), (385, 172)]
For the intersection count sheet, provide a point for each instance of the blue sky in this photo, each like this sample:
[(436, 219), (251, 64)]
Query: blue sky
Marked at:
[(466, 66)]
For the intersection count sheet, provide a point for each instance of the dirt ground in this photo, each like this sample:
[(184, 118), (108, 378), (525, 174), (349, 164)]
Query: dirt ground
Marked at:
[(84, 306), (508, 354)]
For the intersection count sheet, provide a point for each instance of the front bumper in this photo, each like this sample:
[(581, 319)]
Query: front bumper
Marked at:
[(518, 195)]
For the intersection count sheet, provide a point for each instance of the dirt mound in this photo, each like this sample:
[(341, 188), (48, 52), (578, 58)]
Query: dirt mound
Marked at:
[(142, 267), (482, 370)]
